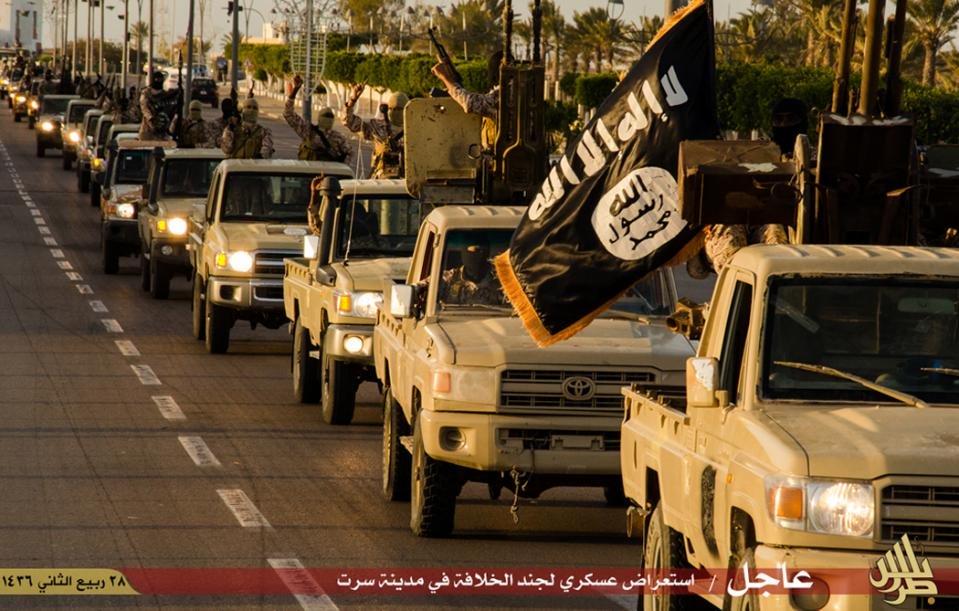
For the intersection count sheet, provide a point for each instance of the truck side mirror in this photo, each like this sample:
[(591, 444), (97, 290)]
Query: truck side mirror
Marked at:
[(402, 298), (702, 381), (311, 246)]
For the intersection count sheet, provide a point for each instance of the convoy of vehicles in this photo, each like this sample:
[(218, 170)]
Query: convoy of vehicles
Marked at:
[(253, 218), (50, 122), (331, 298), (91, 120), (73, 127)]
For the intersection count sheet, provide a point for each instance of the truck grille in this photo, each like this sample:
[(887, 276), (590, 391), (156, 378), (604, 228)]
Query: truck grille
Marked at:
[(928, 514), (567, 390), (270, 262)]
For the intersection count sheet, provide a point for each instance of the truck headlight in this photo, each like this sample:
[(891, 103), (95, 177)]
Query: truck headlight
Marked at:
[(467, 384), (174, 226), (359, 304), (74, 136), (21, 99), (823, 506), (97, 163), (47, 126), (34, 104), (126, 210), (237, 261)]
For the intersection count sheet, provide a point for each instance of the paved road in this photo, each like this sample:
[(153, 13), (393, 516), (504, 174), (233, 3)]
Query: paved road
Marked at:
[(124, 445)]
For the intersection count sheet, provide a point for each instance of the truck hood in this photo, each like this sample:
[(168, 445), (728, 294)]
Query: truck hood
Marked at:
[(125, 193), (264, 236), (373, 274), (870, 442), (178, 206), (497, 340)]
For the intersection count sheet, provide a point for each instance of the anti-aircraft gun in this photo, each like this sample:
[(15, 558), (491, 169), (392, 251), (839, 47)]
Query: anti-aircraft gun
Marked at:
[(457, 158)]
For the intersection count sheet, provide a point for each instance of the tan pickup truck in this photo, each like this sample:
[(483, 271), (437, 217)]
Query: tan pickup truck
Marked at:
[(472, 398), (253, 218), (331, 297), (817, 429)]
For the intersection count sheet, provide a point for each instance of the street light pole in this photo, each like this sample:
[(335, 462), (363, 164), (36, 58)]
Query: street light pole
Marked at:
[(88, 56), (150, 46), (189, 63), (76, 19), (126, 45), (235, 51), (308, 77), (103, 9)]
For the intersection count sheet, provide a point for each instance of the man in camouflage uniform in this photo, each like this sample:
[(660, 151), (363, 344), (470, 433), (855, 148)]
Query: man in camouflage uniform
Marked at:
[(246, 139), (485, 105), (154, 109), (386, 134), (319, 142), (473, 281), (195, 132)]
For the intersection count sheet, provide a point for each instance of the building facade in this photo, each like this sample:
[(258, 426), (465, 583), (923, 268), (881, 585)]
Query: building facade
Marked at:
[(21, 24)]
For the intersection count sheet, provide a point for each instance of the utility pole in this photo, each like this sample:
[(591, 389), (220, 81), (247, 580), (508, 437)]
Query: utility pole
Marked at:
[(308, 77), (189, 64), (126, 45), (150, 46), (103, 9), (88, 55), (76, 19), (235, 50)]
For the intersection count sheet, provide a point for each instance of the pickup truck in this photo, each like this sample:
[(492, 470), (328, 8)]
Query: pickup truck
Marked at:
[(126, 172), (73, 129), (817, 427), (98, 160), (50, 122), (91, 120), (253, 218), (470, 395), (331, 298), (177, 181)]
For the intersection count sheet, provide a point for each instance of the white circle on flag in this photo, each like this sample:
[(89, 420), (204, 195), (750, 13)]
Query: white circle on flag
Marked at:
[(639, 214)]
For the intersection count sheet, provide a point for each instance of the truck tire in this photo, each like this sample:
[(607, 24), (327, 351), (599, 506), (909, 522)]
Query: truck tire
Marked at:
[(67, 161), (83, 181), (159, 284), (433, 488), (306, 371), (396, 460), (338, 385), (41, 150), (198, 307), (16, 117), (750, 601), (31, 122), (94, 194), (217, 329), (111, 260), (144, 272), (664, 550)]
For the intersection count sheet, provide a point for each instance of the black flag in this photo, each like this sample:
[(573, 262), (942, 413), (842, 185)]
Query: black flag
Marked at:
[(608, 212)]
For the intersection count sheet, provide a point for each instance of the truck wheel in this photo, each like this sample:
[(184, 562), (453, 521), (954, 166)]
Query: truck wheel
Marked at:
[(750, 601), (159, 285), (306, 371), (16, 117), (67, 161), (664, 551), (339, 391), (31, 122), (433, 488), (144, 272), (94, 194), (396, 460), (111, 260), (199, 308), (83, 181), (217, 329), (41, 150)]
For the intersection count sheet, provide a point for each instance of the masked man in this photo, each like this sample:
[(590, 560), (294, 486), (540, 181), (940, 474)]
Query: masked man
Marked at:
[(386, 134), (319, 141), (155, 109), (194, 133), (245, 138)]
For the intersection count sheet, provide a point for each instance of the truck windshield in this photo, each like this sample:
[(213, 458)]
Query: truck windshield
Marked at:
[(187, 177), (900, 333), (104, 127), (467, 278), (131, 167), (268, 198), (91, 123), (375, 226), (77, 111), (53, 106), (653, 295)]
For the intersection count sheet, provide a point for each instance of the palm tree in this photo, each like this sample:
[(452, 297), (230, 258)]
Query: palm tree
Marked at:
[(932, 23), (605, 38), (140, 30)]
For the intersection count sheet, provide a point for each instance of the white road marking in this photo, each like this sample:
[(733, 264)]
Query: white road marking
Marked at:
[(126, 347), (299, 581), (243, 508), (98, 306), (65, 264), (84, 289), (39, 220), (74, 276), (29, 203), (44, 230), (198, 450), (35, 212), (57, 253), (111, 325), (50, 241), (168, 407), (146, 375)]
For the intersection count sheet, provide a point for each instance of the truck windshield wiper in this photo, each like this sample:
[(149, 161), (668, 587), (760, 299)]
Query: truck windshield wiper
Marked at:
[(836, 373), (482, 306)]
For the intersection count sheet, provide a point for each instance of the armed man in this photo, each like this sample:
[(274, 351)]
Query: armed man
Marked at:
[(245, 138), (386, 134), (154, 109), (319, 142), (194, 131)]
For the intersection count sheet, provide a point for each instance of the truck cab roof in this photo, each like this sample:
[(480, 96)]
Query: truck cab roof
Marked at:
[(483, 217), (768, 260), (286, 166)]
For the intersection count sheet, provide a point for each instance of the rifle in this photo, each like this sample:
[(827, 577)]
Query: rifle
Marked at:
[(178, 136), (444, 57)]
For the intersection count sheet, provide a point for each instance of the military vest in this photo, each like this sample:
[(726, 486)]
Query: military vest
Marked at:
[(308, 152), (388, 157), (248, 144)]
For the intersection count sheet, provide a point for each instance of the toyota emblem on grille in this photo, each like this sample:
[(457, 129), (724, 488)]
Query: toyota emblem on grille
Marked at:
[(578, 388)]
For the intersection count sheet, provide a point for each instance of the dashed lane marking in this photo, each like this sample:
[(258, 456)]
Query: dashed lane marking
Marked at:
[(98, 306), (111, 325), (57, 253), (198, 450), (39, 220), (305, 589), (44, 230), (74, 277), (50, 241), (84, 289), (126, 347), (243, 508), (146, 375), (168, 407), (65, 265)]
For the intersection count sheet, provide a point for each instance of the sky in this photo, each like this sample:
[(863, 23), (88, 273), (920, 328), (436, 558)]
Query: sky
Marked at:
[(216, 18)]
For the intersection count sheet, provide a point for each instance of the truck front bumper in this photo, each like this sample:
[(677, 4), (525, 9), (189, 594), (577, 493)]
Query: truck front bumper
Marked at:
[(559, 445), (257, 294), (846, 573), (170, 253), (122, 234), (349, 343)]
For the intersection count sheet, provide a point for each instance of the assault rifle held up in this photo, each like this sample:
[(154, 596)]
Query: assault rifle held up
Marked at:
[(181, 111), (444, 57)]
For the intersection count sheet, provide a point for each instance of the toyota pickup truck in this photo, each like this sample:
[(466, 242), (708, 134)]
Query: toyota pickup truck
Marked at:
[(817, 429), (178, 180), (73, 129), (91, 120), (331, 298), (50, 122), (253, 218), (468, 396)]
